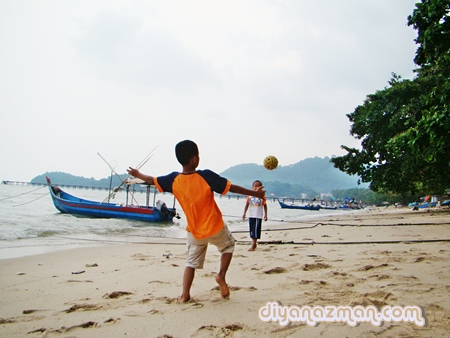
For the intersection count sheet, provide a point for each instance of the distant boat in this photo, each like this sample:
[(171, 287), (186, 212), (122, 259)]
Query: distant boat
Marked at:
[(426, 205), (355, 207), (423, 205), (328, 207), (69, 204), (446, 202), (303, 207), (429, 201)]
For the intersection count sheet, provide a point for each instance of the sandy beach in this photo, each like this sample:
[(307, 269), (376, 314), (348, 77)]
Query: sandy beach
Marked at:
[(379, 257)]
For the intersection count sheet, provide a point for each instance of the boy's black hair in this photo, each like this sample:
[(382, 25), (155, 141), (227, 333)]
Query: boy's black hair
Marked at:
[(185, 150), (257, 181)]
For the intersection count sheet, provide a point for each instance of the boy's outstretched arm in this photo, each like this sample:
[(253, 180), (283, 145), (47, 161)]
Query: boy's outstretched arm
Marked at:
[(237, 189), (136, 173)]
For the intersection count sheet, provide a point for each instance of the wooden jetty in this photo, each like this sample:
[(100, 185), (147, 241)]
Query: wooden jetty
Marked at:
[(143, 190)]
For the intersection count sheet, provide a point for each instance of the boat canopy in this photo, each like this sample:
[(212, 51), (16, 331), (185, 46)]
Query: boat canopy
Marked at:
[(135, 181)]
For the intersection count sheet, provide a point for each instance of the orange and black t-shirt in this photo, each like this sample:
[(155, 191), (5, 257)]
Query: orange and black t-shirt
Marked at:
[(195, 193)]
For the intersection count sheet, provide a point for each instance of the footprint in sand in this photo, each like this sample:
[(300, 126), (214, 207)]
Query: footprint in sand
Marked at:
[(117, 294), (27, 312), (193, 304), (168, 300), (155, 312), (380, 277), (276, 270), (7, 320), (236, 288), (140, 257), (91, 265), (218, 331), (316, 266), (146, 300), (370, 267), (304, 281), (158, 281), (40, 330), (83, 307), (111, 320), (70, 328)]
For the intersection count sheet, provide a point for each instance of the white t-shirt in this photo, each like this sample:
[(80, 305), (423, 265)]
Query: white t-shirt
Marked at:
[(255, 207)]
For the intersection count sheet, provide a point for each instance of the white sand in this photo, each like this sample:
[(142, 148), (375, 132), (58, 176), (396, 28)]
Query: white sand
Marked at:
[(379, 257)]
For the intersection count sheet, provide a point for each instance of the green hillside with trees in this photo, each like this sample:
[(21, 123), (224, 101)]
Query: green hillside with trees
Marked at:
[(310, 176), (60, 178), (277, 188)]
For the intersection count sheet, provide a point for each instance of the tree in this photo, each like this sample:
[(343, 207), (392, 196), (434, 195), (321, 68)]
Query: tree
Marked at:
[(430, 19), (405, 128)]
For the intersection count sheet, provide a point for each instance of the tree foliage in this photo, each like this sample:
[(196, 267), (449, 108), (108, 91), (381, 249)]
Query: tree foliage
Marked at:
[(405, 128)]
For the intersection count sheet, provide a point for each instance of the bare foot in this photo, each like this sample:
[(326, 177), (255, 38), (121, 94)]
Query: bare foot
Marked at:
[(183, 299), (252, 249), (223, 287)]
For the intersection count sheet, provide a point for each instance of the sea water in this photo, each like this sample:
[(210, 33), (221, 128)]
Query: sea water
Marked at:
[(30, 224)]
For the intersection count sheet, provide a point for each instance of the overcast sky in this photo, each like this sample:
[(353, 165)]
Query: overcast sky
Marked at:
[(243, 79)]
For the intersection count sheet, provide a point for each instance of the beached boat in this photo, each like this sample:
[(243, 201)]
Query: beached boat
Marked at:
[(70, 204), (423, 205), (355, 206), (429, 201), (303, 207)]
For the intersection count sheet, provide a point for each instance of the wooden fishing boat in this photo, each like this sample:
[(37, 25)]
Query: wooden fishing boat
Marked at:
[(423, 205), (302, 207), (70, 204), (352, 206)]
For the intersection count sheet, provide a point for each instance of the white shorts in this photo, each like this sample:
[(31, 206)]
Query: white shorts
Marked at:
[(196, 248)]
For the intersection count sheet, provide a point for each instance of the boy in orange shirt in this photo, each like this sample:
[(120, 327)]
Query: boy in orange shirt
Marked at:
[(194, 189)]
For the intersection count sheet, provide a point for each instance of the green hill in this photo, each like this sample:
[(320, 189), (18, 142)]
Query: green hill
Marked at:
[(58, 177), (318, 174), (310, 176)]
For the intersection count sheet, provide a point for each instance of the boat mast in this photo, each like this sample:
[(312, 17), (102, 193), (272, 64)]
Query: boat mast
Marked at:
[(110, 186)]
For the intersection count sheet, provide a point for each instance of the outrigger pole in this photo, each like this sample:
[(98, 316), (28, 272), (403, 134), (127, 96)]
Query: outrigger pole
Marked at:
[(140, 165)]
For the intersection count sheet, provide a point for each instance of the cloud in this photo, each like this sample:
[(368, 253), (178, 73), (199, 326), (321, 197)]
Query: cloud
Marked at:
[(130, 50), (243, 79)]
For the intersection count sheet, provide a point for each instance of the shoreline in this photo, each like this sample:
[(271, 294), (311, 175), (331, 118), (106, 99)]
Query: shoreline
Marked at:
[(56, 243), (131, 289)]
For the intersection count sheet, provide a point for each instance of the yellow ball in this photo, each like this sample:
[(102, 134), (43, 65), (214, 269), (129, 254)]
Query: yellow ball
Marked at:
[(270, 162)]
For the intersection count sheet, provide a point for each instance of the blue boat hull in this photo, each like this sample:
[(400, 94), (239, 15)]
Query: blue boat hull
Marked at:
[(70, 204), (423, 205), (427, 205), (302, 207)]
